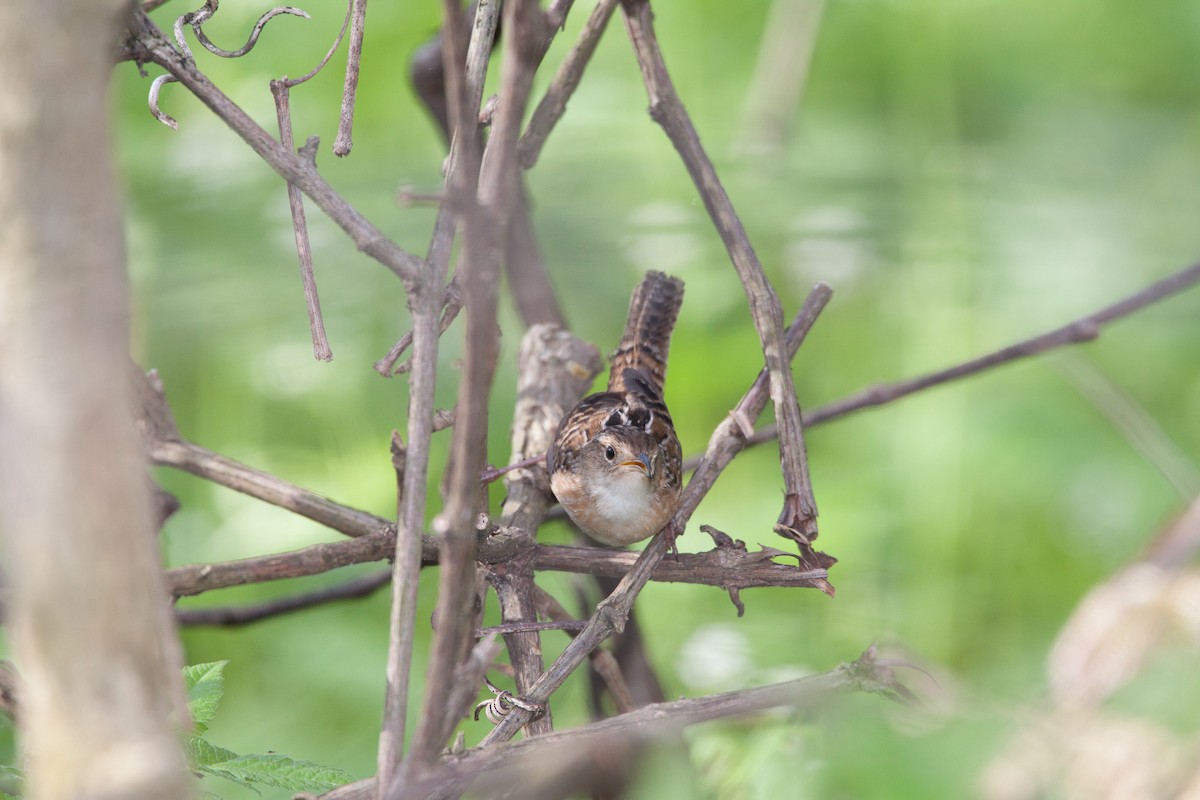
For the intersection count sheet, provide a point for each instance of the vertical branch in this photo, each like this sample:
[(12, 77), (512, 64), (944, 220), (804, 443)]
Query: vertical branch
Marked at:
[(358, 20), (280, 89), (89, 619), (554, 370), (798, 519), (425, 303), (483, 225)]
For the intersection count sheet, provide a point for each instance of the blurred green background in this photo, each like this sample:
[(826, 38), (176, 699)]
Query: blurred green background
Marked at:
[(964, 174)]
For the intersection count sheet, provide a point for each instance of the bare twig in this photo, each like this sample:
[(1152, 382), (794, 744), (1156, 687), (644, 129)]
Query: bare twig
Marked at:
[(146, 43), (312, 300), (603, 661), (550, 110), (160, 115), (167, 447), (493, 474), (312, 560), (729, 438), (532, 627), (264, 486), (451, 303), (337, 41), (798, 519), (1084, 329), (358, 19), (525, 267), (354, 588)]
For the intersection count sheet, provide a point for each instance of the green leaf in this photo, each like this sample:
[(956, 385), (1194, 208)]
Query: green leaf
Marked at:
[(11, 781), (201, 754), (281, 772), (205, 685), (229, 776)]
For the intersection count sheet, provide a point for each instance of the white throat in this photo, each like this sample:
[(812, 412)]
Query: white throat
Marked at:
[(623, 498)]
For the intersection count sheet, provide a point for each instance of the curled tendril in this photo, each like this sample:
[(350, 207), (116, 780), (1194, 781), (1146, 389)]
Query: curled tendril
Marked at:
[(161, 116), (497, 708), (201, 15), (197, 19)]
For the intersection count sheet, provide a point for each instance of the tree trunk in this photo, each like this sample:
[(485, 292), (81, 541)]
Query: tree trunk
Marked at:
[(102, 698)]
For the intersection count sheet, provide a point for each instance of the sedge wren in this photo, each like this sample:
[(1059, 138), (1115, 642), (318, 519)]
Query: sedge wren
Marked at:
[(616, 464)]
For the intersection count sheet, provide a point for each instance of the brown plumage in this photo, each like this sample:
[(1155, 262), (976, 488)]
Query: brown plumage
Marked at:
[(616, 463)]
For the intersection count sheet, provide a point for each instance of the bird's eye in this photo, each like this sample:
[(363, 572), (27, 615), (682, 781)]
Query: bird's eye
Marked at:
[(609, 453)]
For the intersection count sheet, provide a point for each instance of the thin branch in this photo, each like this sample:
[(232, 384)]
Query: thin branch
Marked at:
[(227, 616), (315, 559), (312, 301), (550, 110), (798, 519), (147, 44), (337, 41), (724, 569), (264, 486), (526, 269), (730, 436), (358, 19), (604, 662), (1084, 329), (532, 627)]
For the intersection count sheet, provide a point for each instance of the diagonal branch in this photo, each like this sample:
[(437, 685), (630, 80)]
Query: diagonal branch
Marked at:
[(798, 520), (554, 103), (1084, 329), (508, 768)]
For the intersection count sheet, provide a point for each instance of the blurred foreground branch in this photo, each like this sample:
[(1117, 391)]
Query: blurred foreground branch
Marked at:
[(618, 741)]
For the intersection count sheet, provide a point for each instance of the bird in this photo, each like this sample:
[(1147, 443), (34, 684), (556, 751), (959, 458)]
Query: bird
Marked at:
[(616, 464)]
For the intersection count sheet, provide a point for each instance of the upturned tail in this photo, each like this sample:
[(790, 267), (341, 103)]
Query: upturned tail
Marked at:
[(653, 309)]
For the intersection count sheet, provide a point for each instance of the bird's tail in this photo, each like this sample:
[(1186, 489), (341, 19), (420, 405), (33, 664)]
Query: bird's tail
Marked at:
[(653, 309)]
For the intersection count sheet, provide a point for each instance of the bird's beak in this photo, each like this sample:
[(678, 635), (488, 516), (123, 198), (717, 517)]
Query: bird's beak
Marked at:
[(639, 461)]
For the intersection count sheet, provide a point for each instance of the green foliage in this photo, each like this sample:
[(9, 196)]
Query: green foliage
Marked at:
[(205, 685), (12, 781)]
